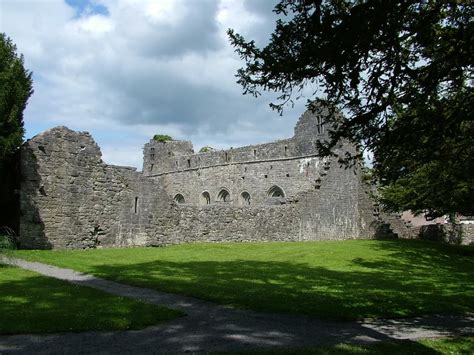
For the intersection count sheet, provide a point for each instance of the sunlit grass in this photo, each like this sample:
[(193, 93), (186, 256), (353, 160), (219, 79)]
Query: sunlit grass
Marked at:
[(31, 303), (336, 280)]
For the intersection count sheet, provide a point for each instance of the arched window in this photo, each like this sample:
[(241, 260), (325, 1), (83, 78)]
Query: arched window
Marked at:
[(245, 198), (179, 198), (205, 198), (275, 191), (223, 196)]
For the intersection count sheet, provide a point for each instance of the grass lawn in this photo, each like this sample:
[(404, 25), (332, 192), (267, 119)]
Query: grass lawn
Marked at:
[(31, 303), (351, 279), (452, 346)]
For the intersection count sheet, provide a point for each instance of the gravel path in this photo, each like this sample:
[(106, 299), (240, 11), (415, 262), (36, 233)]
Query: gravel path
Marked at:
[(211, 327)]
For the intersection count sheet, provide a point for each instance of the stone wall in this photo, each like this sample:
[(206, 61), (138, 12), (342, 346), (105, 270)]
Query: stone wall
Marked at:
[(277, 191), (71, 199)]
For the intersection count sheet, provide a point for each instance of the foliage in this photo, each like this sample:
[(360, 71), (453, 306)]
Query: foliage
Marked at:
[(162, 138), (7, 238), (402, 74), (334, 280), (206, 149), (29, 302), (15, 89)]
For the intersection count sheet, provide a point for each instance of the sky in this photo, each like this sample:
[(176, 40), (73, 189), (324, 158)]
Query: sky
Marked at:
[(125, 70)]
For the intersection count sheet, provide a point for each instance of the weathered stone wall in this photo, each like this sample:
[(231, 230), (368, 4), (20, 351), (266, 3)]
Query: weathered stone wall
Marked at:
[(292, 165), (71, 199), (328, 212), (277, 191)]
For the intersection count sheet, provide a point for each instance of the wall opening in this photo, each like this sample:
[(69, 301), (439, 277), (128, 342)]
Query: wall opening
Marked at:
[(286, 150), (151, 167), (205, 198), (226, 158), (189, 163), (245, 199), (223, 196), (136, 204), (254, 153), (276, 191), (179, 198)]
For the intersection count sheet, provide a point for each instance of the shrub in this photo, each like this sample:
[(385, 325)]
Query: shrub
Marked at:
[(7, 238), (162, 137), (206, 149)]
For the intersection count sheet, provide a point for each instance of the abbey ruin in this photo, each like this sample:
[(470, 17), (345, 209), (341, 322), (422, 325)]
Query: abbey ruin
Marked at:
[(280, 191)]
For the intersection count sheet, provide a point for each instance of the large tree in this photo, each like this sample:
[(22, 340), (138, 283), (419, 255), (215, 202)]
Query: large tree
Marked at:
[(15, 89), (401, 72)]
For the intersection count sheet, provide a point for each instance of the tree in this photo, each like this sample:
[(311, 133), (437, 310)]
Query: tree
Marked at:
[(401, 72), (16, 86)]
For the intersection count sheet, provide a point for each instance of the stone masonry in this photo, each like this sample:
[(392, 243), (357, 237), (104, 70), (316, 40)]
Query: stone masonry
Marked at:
[(276, 191)]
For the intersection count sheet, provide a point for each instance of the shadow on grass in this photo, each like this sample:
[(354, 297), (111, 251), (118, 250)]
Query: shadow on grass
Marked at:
[(400, 347), (30, 303), (414, 279)]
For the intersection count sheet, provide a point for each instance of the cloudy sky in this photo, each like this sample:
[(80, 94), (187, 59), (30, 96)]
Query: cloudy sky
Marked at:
[(127, 69)]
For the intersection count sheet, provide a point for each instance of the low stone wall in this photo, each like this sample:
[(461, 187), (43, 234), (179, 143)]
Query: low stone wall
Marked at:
[(448, 233)]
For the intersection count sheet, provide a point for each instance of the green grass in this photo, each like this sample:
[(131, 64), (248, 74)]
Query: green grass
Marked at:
[(31, 303), (334, 280), (452, 346)]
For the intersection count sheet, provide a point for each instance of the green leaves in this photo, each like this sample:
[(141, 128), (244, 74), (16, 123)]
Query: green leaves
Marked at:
[(162, 138), (15, 89), (401, 71)]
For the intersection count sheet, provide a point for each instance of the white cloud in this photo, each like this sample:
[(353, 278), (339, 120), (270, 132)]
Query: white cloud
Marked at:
[(140, 68)]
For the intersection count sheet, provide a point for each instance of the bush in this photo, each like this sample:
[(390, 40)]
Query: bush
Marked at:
[(206, 149), (7, 238), (162, 137)]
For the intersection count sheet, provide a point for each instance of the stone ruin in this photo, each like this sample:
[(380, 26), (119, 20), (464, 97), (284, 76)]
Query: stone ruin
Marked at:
[(279, 191)]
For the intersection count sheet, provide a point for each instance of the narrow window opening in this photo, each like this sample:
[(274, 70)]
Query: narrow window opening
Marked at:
[(254, 153), (176, 163), (179, 198), (152, 156), (245, 198), (223, 196), (189, 163), (151, 167), (136, 204), (286, 150), (276, 191), (205, 198), (226, 158)]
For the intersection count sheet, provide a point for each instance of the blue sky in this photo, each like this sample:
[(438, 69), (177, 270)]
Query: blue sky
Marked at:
[(87, 7), (124, 70)]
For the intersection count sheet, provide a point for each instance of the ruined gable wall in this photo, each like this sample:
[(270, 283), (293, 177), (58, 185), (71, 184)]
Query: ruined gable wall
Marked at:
[(71, 199)]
